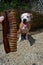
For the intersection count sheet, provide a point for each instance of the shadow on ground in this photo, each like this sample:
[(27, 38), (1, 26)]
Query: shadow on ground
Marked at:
[(31, 40), (33, 64)]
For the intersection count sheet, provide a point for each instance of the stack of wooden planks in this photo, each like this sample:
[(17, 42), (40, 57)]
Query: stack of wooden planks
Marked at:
[(9, 31)]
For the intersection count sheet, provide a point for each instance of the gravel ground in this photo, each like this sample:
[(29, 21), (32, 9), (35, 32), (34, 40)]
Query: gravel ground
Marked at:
[(26, 53)]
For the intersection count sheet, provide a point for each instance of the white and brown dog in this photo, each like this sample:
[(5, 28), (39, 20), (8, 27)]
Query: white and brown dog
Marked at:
[(24, 26)]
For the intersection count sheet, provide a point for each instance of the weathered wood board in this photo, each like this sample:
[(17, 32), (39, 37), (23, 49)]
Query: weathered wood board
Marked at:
[(9, 26)]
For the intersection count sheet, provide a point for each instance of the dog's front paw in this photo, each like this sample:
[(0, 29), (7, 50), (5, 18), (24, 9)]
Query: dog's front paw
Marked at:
[(27, 36), (19, 38)]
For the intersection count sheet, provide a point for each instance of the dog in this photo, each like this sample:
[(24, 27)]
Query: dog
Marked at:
[(24, 26)]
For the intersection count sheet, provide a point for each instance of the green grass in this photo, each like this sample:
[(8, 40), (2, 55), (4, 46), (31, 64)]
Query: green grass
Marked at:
[(14, 4)]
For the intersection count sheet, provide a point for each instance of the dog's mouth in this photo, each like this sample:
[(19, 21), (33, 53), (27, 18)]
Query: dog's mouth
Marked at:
[(25, 21)]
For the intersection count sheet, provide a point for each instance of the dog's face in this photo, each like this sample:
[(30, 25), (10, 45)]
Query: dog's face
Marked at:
[(26, 17)]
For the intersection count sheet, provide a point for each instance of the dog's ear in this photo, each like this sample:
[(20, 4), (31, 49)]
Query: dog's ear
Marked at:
[(31, 16), (21, 17)]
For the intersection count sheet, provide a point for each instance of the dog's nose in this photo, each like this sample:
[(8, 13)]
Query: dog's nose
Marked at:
[(24, 20)]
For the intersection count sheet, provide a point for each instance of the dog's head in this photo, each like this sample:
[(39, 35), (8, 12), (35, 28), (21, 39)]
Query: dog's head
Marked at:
[(26, 17)]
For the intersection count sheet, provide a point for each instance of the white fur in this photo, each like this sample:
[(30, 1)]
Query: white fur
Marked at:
[(24, 27), (19, 38)]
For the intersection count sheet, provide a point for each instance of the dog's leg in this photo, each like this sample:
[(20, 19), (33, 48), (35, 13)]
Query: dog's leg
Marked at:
[(23, 36), (27, 35), (19, 38)]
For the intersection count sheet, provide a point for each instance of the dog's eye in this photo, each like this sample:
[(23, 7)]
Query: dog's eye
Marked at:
[(27, 16)]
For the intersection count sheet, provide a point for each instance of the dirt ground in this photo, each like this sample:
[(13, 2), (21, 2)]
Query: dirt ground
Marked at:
[(29, 52)]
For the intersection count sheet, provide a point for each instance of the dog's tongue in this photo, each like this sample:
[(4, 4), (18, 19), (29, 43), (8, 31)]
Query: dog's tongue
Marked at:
[(25, 25)]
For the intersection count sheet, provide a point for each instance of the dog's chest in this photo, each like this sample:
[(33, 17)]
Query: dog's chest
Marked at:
[(24, 28)]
